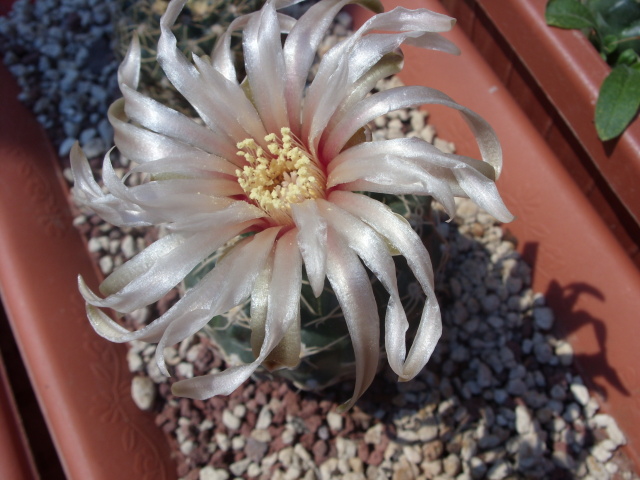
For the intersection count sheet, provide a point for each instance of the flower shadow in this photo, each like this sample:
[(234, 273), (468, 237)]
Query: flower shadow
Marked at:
[(566, 300)]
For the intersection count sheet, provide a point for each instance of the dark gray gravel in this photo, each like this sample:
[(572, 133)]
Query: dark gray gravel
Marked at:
[(499, 399)]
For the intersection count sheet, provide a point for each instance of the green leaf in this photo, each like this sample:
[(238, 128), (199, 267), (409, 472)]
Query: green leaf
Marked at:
[(617, 14), (568, 14), (609, 45), (628, 57), (618, 101)]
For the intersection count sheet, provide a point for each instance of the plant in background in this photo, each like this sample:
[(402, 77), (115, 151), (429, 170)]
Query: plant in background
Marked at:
[(614, 29), (260, 196)]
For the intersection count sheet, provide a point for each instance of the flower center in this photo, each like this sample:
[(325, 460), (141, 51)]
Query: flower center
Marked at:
[(283, 175)]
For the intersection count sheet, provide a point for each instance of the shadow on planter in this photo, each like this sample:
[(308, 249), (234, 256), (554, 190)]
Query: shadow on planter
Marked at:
[(588, 276), (555, 75)]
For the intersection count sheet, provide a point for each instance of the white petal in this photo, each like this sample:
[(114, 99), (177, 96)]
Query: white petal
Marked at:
[(239, 111), (142, 145), (347, 61), (411, 164), (264, 63), (370, 49), (382, 172), (87, 192), (129, 69), (260, 303), (408, 243), (284, 305), (172, 200), (231, 281), (300, 50), (351, 285), (179, 200), (388, 65), (222, 56), (312, 240), (167, 270), (404, 97), (189, 82), (143, 261), (191, 163), (238, 213), (82, 175), (245, 267), (375, 254), (161, 119)]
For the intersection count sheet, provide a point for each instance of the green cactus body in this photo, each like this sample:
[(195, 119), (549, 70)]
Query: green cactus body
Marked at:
[(326, 355)]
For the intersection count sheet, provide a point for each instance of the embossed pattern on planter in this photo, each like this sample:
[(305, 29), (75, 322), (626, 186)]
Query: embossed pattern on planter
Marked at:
[(82, 383)]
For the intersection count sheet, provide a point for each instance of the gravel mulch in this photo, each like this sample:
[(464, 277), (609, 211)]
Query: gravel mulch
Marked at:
[(499, 399)]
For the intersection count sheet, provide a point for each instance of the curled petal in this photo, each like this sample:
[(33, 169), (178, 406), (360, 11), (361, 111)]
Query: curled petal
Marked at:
[(222, 56), (230, 293), (190, 83), (388, 65), (400, 235), (404, 97), (348, 61), (167, 269), (412, 165), (283, 311), (87, 192), (398, 176), (232, 280), (375, 254), (351, 285)]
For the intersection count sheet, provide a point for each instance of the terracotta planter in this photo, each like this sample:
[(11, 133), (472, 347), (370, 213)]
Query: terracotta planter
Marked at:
[(81, 381), (586, 275), (555, 76), (17, 462)]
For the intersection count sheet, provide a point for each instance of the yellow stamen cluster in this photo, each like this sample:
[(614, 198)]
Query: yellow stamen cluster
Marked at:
[(280, 176)]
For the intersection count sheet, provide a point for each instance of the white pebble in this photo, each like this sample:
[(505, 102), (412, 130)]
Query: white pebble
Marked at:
[(143, 392), (240, 411), (264, 419), (238, 443), (239, 467), (580, 393), (210, 473), (334, 420), (185, 370), (128, 246), (186, 447), (564, 351), (524, 422), (106, 264), (230, 421), (607, 422)]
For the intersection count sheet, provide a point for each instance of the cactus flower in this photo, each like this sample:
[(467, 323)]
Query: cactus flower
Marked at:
[(271, 171)]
